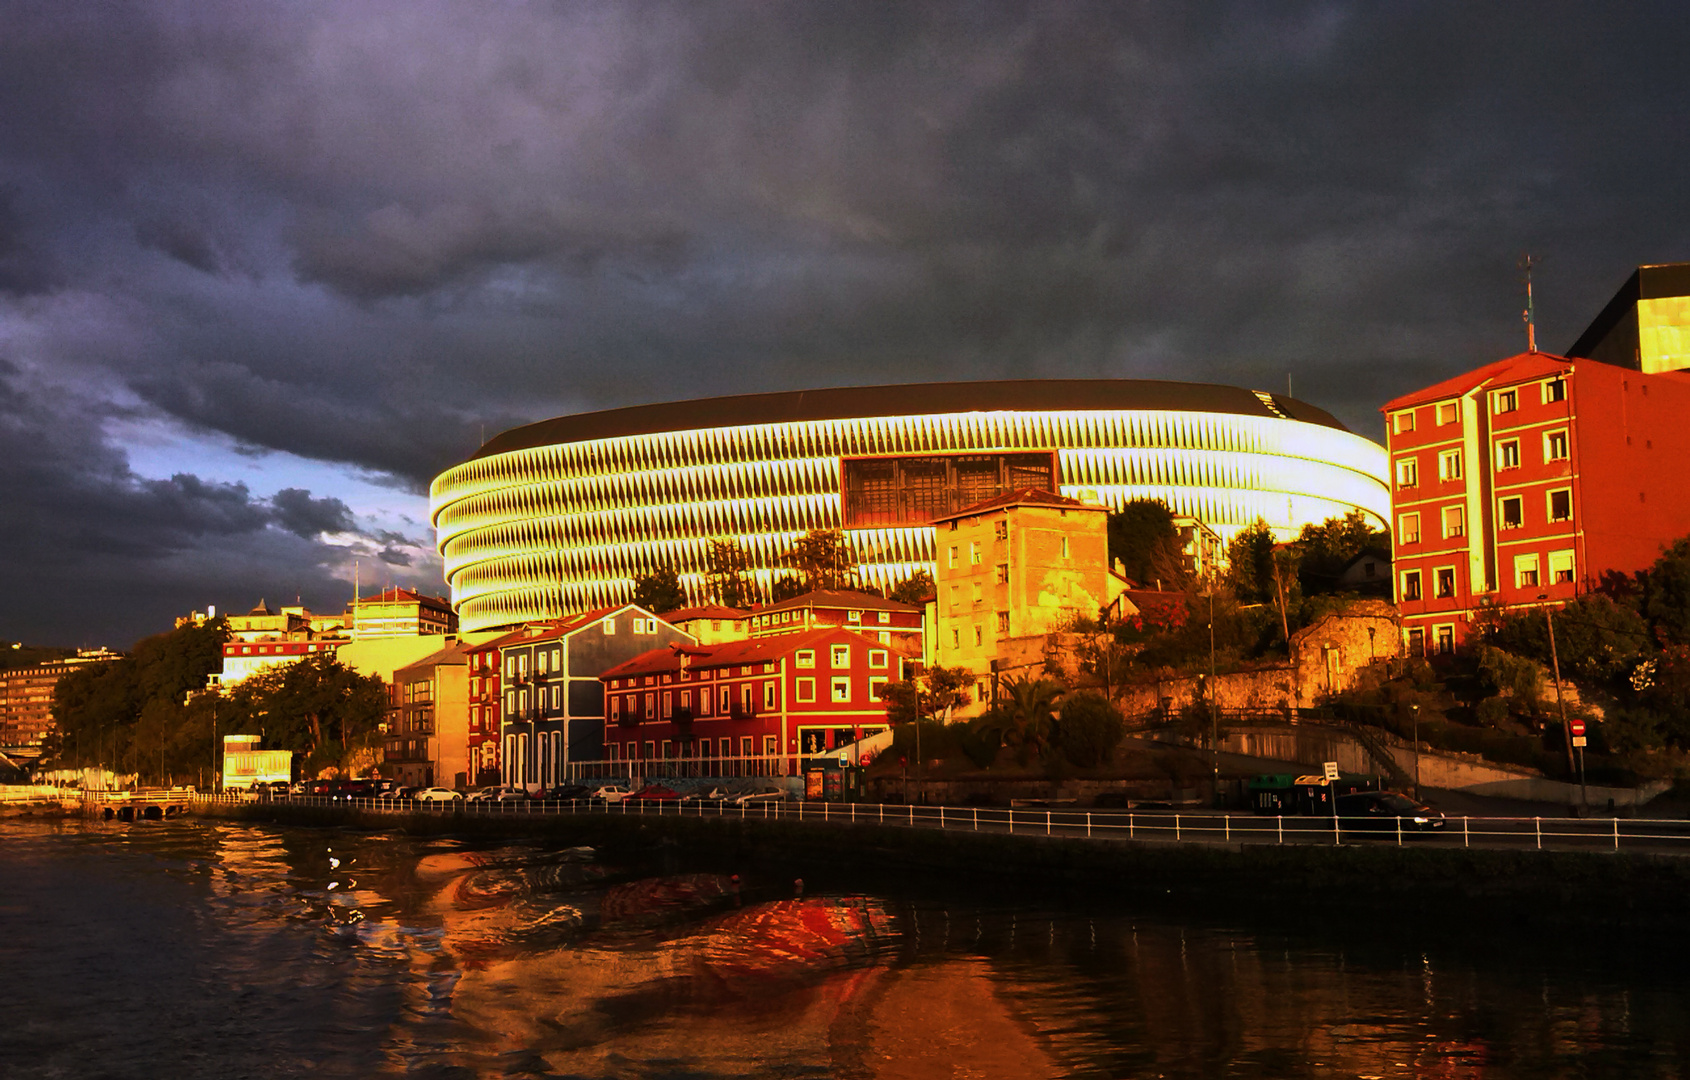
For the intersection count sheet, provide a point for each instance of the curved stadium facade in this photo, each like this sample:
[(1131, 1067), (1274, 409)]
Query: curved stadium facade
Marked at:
[(559, 516)]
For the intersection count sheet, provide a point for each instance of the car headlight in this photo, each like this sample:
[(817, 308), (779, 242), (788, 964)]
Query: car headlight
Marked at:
[(1422, 821)]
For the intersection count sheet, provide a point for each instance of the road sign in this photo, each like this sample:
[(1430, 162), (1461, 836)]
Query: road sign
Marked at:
[(1579, 741), (1331, 770), (1576, 727)]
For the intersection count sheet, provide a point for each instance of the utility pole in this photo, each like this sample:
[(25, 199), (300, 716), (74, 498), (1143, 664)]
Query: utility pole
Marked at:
[(1214, 705), (1560, 705), (1414, 710), (1530, 315)]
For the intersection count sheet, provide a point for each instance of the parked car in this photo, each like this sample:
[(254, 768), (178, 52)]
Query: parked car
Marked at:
[(655, 793), (709, 795), (767, 795), (1386, 811), (437, 794), (611, 793), (568, 793), (511, 794), (488, 794)]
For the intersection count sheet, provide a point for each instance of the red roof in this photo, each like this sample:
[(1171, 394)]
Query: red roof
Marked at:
[(703, 611), (838, 598), (1022, 497), (553, 631), (397, 595), (754, 651), (1514, 368)]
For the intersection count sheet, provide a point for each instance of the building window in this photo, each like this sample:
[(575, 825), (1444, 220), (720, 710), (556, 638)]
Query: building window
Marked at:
[(1554, 390), (745, 746), (1508, 454), (1513, 512), (976, 593), (609, 626), (651, 706), (769, 696), (1445, 582), (1448, 413), (1525, 571), (973, 553), (1000, 529), (1561, 505), (1403, 422), (1507, 401), (876, 687), (1449, 465), (840, 656), (1444, 636), (955, 598), (806, 690), (1555, 445), (950, 556), (854, 616), (1003, 573), (1064, 544), (1561, 567), (1003, 622), (956, 638), (877, 658), (1408, 473), (727, 701), (668, 704), (1411, 585), (806, 658), (1455, 521), (841, 689), (979, 636), (1417, 642), (1408, 529)]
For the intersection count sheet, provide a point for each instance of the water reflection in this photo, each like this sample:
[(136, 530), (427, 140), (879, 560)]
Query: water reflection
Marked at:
[(275, 952)]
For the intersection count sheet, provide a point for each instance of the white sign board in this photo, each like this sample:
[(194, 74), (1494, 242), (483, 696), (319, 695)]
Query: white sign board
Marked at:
[(1579, 741), (1331, 770)]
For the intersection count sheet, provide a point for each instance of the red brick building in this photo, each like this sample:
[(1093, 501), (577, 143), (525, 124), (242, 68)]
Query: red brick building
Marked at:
[(890, 622), (1521, 482), (706, 710)]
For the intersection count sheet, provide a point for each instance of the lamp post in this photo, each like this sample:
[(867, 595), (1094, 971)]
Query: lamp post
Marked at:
[(1560, 705), (1414, 711), (1214, 707)]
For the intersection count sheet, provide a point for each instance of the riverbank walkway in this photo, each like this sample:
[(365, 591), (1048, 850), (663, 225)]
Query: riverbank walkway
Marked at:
[(1634, 835)]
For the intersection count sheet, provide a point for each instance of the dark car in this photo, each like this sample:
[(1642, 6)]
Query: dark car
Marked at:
[(568, 793), (1386, 811), (655, 793)]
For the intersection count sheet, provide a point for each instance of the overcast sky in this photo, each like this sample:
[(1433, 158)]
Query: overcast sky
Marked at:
[(266, 268)]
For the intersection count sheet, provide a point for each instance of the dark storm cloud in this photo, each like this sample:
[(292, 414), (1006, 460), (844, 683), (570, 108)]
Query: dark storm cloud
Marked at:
[(307, 518), (372, 237)]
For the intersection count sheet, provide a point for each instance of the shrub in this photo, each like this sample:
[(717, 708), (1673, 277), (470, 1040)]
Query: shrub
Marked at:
[(1088, 729)]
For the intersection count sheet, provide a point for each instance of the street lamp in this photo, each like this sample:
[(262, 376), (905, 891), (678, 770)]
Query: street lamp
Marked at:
[(1561, 706), (1414, 711), (1214, 706)]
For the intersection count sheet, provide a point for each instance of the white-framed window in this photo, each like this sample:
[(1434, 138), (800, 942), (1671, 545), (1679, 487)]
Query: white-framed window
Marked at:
[(876, 683), (1455, 521), (885, 618), (877, 658), (806, 689), (1561, 567), (884, 637), (839, 656), (1411, 584), (1408, 472), (956, 597), (609, 626), (840, 689), (1403, 422), (806, 658), (727, 700), (1443, 582), (1505, 401), (1526, 574), (950, 556), (854, 616), (1443, 638), (1003, 573), (1415, 641), (1508, 454), (1408, 529), (1448, 413), (1065, 551), (1511, 512), (651, 706), (668, 704), (1554, 390), (1449, 465), (746, 746), (1560, 504), (973, 553), (977, 593), (1000, 529), (956, 638), (1003, 622), (1555, 445), (768, 695)]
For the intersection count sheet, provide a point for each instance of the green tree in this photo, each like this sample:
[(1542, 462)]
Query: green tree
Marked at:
[(823, 559), (1325, 549), (1143, 538), (317, 707), (1025, 715), (1250, 564), (1666, 594), (726, 578), (1596, 639), (660, 591), (1088, 729), (914, 589), (930, 695)]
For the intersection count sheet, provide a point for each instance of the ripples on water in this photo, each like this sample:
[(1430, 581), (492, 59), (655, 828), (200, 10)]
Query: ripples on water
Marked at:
[(205, 949)]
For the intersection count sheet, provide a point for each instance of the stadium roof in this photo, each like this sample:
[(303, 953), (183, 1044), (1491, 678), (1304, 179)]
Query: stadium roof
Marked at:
[(913, 399)]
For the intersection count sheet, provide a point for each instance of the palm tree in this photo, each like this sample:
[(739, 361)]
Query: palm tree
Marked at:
[(1025, 713)]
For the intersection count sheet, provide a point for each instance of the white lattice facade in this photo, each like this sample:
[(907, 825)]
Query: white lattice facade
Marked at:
[(548, 530)]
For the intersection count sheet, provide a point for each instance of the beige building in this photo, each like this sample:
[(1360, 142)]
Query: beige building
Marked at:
[(1019, 566), (711, 624), (428, 725), (398, 613)]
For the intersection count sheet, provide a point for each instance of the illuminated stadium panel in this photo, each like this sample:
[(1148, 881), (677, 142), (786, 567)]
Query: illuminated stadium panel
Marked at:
[(559, 517)]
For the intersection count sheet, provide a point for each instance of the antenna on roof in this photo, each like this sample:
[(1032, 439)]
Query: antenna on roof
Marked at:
[(1530, 315)]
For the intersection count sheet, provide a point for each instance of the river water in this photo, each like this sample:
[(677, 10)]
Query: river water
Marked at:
[(217, 949)]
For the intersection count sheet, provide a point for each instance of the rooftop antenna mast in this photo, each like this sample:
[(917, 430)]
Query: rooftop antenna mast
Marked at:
[(1530, 314)]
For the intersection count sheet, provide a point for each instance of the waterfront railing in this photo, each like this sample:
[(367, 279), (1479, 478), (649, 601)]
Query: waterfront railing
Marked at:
[(1663, 836)]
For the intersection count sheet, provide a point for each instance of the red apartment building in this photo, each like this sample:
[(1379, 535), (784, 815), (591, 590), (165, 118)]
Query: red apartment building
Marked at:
[(890, 622), (770, 698), (1523, 481), (482, 662)]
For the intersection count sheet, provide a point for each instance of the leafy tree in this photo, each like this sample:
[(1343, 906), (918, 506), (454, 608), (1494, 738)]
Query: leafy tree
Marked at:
[(1666, 594), (1143, 537), (1328, 547), (932, 694), (317, 707), (787, 587), (726, 578), (1596, 639), (1088, 729), (823, 559), (660, 591), (1250, 564), (914, 589)]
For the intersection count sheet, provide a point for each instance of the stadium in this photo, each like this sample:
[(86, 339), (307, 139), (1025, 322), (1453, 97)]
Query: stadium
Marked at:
[(559, 516)]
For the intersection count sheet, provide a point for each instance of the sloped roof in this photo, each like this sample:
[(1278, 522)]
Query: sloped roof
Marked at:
[(1022, 497), (751, 651), (703, 611), (1521, 366), (838, 598)]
